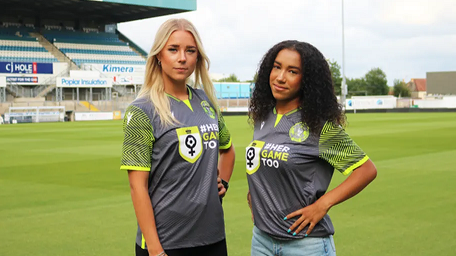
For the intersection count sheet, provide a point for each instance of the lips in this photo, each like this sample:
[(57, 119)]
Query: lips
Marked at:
[(181, 69), (279, 88)]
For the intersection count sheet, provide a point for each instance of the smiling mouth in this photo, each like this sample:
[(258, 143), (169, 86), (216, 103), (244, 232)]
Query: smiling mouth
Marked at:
[(279, 88)]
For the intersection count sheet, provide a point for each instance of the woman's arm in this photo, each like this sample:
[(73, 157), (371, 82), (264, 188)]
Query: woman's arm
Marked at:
[(144, 211), (225, 166), (312, 214)]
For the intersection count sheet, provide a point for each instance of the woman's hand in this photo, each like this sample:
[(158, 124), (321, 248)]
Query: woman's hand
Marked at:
[(309, 215), (221, 188), (312, 214)]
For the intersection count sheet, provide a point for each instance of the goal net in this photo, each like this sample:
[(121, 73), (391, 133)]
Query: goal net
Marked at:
[(35, 114)]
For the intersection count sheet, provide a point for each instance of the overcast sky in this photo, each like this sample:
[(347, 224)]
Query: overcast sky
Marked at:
[(404, 38)]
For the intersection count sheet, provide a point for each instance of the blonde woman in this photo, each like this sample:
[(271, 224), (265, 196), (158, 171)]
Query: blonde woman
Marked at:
[(176, 142)]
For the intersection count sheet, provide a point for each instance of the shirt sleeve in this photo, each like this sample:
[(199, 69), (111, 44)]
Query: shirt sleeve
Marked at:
[(224, 134), (338, 149), (138, 140)]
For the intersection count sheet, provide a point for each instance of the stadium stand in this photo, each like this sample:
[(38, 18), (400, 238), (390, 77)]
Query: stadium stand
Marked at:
[(90, 46), (41, 42), (17, 45)]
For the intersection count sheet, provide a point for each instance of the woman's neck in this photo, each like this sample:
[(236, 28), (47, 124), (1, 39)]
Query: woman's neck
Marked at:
[(177, 90), (283, 107)]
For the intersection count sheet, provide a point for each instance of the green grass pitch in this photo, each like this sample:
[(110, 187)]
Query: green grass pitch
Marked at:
[(62, 193)]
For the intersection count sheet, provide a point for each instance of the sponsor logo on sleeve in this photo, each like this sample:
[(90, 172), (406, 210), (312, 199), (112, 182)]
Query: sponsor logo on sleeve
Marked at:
[(129, 116)]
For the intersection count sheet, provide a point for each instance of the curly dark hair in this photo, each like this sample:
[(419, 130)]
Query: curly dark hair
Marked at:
[(318, 101)]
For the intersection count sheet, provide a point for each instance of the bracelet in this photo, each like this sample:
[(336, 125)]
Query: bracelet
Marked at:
[(225, 184), (162, 253)]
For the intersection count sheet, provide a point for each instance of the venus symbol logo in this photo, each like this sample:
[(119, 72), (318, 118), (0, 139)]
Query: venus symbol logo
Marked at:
[(190, 143), (252, 156)]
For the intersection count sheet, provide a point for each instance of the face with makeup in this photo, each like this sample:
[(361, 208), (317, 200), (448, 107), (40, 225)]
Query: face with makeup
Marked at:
[(178, 58), (285, 78)]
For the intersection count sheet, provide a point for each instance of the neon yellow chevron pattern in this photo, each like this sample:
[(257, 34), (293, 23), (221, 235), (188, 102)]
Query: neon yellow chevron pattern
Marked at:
[(338, 149), (138, 140)]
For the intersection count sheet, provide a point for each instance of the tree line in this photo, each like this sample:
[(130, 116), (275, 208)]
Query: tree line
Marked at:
[(374, 82)]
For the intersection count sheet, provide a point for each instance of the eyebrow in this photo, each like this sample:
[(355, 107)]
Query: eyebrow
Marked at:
[(288, 66), (177, 46)]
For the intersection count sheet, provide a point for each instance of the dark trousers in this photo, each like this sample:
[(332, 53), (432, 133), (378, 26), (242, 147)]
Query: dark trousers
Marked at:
[(217, 249)]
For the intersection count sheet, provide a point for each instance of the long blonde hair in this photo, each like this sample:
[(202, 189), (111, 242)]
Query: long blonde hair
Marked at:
[(153, 82)]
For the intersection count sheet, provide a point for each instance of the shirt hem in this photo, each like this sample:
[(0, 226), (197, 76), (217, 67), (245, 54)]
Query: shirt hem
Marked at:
[(184, 246), (227, 146), (320, 234), (135, 168), (353, 167)]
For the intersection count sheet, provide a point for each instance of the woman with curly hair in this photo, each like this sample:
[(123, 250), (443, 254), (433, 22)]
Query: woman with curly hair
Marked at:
[(298, 141)]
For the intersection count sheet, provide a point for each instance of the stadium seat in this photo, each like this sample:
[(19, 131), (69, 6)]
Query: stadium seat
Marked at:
[(94, 47), (17, 45)]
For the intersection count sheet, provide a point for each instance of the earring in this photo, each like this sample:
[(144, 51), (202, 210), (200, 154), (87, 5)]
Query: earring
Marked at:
[(159, 63)]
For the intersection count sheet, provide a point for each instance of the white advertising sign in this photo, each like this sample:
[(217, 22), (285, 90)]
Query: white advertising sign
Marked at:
[(116, 69), (126, 80), (2, 81), (84, 74), (68, 82), (445, 102), (93, 116), (370, 103)]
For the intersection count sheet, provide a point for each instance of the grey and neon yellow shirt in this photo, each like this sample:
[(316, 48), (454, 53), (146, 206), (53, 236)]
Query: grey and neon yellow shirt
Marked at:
[(288, 169), (182, 161)]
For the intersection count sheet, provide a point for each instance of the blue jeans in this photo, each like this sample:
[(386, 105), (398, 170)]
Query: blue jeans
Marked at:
[(264, 245)]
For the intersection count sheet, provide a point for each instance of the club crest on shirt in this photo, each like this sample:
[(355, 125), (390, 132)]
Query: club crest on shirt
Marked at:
[(190, 143), (208, 109), (299, 132)]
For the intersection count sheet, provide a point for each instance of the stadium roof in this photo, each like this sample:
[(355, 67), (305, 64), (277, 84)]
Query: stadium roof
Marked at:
[(98, 11)]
